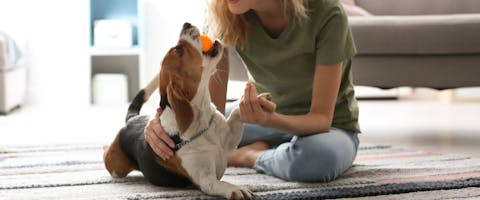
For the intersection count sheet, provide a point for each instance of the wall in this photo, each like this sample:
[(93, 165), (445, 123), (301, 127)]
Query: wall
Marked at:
[(55, 34), (163, 21)]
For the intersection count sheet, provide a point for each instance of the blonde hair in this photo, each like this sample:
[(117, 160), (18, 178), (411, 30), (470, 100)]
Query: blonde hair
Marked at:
[(234, 29)]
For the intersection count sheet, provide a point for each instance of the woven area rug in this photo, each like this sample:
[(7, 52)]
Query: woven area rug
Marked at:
[(77, 172)]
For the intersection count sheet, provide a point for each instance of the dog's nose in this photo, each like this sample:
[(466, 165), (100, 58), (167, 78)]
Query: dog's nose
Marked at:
[(215, 49), (186, 25)]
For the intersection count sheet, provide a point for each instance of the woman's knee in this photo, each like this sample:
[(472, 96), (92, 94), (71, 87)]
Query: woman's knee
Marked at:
[(320, 159), (315, 164)]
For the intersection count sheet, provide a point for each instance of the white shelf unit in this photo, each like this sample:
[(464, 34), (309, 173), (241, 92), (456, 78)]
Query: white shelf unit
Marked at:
[(128, 61), (115, 51)]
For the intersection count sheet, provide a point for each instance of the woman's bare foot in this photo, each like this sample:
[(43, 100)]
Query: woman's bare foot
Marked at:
[(247, 155)]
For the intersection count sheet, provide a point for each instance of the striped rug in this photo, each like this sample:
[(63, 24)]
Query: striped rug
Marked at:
[(379, 172)]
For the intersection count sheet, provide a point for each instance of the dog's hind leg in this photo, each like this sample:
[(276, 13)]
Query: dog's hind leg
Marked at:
[(116, 161)]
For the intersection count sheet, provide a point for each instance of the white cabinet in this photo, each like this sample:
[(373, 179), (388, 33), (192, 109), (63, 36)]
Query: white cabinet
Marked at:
[(119, 57)]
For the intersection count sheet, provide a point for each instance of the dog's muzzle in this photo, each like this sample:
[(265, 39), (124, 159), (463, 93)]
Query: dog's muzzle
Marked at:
[(214, 50)]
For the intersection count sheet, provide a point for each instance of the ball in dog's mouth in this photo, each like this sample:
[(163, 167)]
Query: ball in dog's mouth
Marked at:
[(214, 50)]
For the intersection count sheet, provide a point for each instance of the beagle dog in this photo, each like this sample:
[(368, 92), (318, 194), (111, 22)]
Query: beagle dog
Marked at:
[(202, 135)]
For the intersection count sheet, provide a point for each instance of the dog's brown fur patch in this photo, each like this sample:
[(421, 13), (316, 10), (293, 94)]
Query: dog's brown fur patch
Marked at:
[(173, 164), (115, 160)]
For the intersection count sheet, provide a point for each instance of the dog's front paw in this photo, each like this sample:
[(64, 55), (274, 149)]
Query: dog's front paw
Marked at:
[(266, 95), (240, 193), (235, 114)]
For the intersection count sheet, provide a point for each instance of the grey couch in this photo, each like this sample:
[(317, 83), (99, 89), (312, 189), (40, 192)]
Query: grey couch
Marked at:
[(417, 43)]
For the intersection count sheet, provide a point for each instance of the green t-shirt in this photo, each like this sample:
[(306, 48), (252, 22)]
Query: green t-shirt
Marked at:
[(284, 66)]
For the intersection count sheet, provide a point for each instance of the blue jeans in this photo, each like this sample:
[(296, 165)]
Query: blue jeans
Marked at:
[(315, 158)]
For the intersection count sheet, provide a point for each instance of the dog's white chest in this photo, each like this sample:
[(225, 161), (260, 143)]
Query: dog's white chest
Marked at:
[(168, 121)]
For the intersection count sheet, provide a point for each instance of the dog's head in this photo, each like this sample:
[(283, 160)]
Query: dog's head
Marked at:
[(185, 73)]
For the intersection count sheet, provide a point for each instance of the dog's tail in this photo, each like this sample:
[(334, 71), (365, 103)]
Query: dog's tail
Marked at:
[(141, 97)]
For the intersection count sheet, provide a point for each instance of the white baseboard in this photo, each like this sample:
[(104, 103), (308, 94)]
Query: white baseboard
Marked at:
[(363, 92)]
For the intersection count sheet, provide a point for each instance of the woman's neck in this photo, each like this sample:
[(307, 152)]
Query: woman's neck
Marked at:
[(272, 16)]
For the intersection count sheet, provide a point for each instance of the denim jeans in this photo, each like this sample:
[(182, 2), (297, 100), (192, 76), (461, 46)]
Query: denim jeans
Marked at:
[(315, 158)]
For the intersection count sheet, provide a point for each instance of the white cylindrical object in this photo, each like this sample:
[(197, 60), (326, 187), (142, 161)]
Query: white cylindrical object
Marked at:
[(110, 89)]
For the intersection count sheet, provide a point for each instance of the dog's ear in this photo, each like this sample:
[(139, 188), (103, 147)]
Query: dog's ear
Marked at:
[(180, 105), (163, 80)]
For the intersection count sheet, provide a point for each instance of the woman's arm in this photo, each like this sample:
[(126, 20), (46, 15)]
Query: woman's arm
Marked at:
[(326, 84), (218, 83)]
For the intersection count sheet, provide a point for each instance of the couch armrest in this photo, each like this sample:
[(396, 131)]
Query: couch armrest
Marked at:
[(419, 7)]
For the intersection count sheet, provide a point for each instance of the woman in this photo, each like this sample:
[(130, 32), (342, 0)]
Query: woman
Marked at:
[(300, 52)]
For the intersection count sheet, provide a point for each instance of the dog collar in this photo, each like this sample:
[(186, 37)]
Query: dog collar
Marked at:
[(179, 143)]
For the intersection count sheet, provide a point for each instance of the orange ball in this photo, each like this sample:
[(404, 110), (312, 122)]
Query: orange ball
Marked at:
[(207, 43)]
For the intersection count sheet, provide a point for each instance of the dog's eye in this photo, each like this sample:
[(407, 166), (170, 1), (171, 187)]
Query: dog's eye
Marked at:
[(179, 50)]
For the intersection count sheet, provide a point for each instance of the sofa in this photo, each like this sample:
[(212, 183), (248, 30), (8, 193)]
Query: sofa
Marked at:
[(413, 43), (417, 43), (13, 74)]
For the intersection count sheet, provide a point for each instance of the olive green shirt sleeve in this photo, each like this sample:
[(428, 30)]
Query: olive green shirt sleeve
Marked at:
[(334, 42)]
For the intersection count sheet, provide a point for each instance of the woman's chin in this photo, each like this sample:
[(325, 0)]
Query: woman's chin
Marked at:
[(236, 10)]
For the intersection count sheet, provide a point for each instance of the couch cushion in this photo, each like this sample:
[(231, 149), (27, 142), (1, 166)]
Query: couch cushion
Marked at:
[(440, 72), (428, 34), (353, 10), (419, 7)]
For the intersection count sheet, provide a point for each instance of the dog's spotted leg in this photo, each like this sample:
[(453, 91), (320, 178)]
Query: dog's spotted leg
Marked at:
[(267, 95), (203, 171), (236, 129), (236, 126), (212, 186)]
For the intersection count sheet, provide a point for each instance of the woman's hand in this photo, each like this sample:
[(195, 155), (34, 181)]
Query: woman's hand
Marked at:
[(254, 109), (158, 139)]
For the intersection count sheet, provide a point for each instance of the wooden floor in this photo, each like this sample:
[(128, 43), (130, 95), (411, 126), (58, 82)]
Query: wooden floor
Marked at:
[(423, 124)]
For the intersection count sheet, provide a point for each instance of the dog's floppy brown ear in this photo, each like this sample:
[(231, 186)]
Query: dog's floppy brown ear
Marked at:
[(180, 105)]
